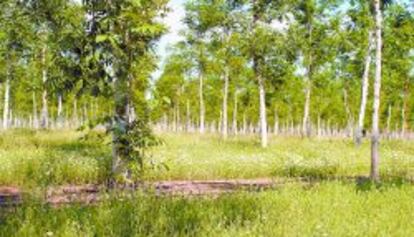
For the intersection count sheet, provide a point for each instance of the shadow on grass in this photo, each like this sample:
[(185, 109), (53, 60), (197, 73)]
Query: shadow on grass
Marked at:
[(316, 174), (140, 215)]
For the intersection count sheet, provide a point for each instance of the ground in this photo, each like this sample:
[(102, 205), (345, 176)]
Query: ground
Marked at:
[(330, 197)]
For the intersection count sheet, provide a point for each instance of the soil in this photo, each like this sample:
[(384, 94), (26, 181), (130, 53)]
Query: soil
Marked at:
[(90, 193)]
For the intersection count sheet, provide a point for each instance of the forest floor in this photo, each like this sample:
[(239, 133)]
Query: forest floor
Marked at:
[(310, 187)]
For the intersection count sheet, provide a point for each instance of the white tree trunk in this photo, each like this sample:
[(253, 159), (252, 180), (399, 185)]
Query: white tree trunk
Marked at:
[(263, 119), (234, 126), (377, 91), (60, 111), (224, 128), (202, 108), (364, 90), (35, 119), (276, 124), (44, 123), (6, 109), (306, 129), (306, 124)]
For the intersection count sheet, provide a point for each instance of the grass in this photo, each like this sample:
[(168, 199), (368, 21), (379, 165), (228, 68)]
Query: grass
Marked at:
[(333, 206), (209, 157), (33, 159), (327, 209)]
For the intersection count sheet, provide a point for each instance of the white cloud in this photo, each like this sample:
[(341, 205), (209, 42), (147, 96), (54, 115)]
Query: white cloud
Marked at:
[(173, 21)]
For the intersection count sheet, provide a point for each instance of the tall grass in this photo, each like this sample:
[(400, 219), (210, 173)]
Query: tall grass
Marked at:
[(33, 159), (42, 158), (327, 209), (331, 207)]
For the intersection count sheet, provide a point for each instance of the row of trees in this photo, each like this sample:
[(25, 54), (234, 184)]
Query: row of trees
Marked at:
[(298, 63), (305, 63), (88, 60)]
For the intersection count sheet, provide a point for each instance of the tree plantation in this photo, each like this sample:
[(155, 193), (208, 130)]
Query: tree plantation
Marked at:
[(206, 117)]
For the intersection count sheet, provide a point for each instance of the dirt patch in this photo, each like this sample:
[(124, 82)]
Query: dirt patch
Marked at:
[(10, 196), (88, 193)]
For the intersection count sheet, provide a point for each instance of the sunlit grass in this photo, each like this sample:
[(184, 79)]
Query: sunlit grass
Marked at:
[(42, 158), (332, 206)]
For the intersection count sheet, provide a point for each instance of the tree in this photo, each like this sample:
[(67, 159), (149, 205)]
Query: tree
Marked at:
[(14, 38), (362, 19), (377, 89), (121, 33)]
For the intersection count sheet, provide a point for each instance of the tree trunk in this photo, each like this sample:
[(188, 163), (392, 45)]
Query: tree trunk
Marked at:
[(188, 116), (6, 109), (44, 120), (202, 108), (377, 91), (60, 111), (35, 119), (75, 112), (234, 126), (224, 128), (177, 117), (404, 110), (306, 125), (364, 90), (132, 115), (263, 120), (244, 123), (260, 81), (276, 124), (119, 129)]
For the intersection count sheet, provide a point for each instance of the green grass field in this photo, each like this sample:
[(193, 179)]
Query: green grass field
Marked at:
[(332, 206)]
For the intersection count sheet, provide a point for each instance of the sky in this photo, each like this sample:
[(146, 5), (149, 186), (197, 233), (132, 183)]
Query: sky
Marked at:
[(174, 24)]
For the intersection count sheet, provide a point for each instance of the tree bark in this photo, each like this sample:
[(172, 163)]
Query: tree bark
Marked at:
[(75, 112), (263, 120), (377, 90), (224, 128), (35, 119), (6, 109), (364, 90), (119, 129), (60, 111), (306, 125), (188, 116), (404, 110), (260, 81), (44, 120), (201, 102), (234, 126), (276, 123)]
